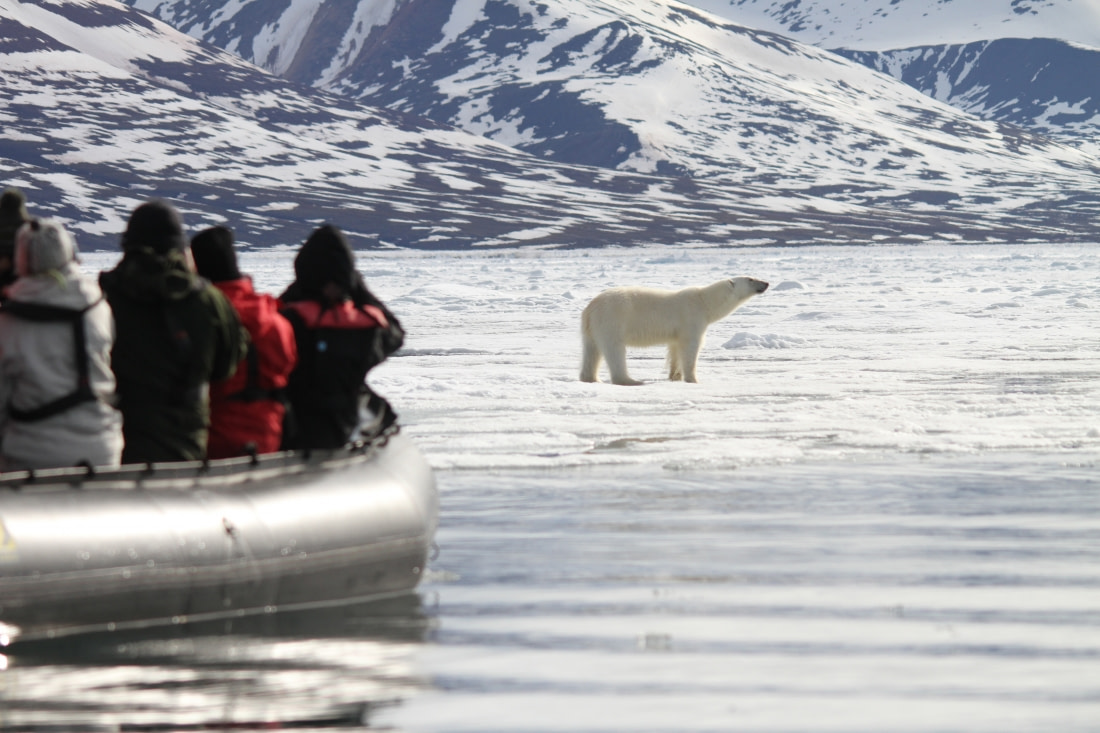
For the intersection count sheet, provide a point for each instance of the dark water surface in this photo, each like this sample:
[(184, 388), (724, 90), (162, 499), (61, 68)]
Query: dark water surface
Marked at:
[(945, 595)]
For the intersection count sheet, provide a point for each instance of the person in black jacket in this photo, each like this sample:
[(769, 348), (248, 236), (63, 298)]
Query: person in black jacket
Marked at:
[(342, 332)]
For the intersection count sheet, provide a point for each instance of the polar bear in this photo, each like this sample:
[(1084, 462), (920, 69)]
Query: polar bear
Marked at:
[(637, 316)]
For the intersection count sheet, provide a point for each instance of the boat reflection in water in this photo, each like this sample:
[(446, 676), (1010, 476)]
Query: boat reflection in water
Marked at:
[(331, 667)]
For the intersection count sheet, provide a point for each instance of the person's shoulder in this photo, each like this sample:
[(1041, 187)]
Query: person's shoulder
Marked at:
[(108, 280), (208, 291), (349, 316), (258, 311), (267, 302), (206, 298), (306, 311), (271, 310), (342, 316)]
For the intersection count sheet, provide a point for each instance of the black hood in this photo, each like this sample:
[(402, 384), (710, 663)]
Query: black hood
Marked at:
[(326, 257)]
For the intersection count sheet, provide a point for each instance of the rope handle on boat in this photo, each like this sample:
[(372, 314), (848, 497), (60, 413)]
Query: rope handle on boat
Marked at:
[(89, 473), (384, 438), (374, 442)]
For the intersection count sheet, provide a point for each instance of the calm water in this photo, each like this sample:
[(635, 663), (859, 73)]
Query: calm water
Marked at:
[(945, 595)]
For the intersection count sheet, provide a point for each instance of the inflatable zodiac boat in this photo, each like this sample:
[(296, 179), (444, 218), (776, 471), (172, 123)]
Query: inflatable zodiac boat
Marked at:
[(85, 550)]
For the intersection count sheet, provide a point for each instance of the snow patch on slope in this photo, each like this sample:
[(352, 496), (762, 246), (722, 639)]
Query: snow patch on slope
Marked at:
[(368, 16)]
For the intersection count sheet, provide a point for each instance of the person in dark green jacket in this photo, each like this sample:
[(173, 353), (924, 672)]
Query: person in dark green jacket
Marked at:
[(175, 333)]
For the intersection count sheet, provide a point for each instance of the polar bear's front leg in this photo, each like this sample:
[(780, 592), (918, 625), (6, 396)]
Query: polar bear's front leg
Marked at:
[(689, 357), (675, 362)]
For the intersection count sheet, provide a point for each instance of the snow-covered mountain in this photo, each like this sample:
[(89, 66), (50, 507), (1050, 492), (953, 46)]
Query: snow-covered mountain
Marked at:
[(884, 25), (587, 123), (1033, 63), (645, 85), (651, 86)]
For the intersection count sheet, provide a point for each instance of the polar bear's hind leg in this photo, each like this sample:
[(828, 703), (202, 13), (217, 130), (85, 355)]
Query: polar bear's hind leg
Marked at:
[(590, 362), (615, 356)]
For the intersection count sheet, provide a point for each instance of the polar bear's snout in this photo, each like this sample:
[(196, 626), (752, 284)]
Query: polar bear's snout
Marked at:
[(750, 285)]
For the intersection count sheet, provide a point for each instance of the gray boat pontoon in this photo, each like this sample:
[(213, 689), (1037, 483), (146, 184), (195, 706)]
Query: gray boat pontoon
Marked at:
[(84, 550)]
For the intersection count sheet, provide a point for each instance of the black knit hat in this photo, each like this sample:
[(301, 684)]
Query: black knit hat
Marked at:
[(215, 258), (13, 214), (156, 225), (326, 257)]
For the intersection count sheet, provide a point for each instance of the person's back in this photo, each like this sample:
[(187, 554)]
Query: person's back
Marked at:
[(175, 334), (342, 332), (56, 383), (246, 410)]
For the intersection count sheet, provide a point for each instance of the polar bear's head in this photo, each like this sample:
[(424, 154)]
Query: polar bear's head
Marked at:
[(746, 287), (725, 296)]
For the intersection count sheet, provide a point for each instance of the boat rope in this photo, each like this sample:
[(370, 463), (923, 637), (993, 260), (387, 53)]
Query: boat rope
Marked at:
[(206, 470)]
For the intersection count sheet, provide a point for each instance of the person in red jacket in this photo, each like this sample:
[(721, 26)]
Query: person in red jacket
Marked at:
[(342, 332), (247, 410)]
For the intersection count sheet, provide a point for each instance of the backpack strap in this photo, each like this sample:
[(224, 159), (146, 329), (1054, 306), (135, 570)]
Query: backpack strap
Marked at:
[(185, 353), (51, 313), (252, 391)]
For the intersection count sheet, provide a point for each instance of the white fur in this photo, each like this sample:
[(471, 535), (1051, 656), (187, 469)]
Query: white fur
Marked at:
[(636, 316)]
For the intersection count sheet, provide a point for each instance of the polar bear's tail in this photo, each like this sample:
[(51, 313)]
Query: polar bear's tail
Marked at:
[(590, 361)]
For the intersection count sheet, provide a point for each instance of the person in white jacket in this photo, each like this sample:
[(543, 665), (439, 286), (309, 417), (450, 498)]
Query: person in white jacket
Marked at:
[(56, 383)]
